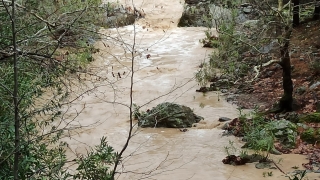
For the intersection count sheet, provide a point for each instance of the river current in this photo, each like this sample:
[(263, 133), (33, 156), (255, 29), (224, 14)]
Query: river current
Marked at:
[(166, 59)]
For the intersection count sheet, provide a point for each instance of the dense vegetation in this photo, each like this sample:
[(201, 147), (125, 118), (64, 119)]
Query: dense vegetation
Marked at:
[(42, 45), (260, 58)]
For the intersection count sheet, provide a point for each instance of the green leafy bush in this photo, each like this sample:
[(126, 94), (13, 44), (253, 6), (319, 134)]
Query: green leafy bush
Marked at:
[(227, 58), (41, 154), (97, 163), (308, 135), (260, 134), (310, 118)]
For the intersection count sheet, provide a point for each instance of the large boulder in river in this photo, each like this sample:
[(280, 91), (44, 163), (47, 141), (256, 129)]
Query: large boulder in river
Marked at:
[(210, 13), (168, 115), (199, 13), (117, 15)]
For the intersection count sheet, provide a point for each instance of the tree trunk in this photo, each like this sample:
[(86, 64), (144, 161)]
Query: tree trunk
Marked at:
[(316, 13), (296, 9), (15, 95), (285, 103)]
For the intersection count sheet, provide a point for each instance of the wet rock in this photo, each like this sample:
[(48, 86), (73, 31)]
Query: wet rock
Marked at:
[(117, 15), (183, 130), (119, 20), (275, 151), (245, 4), (292, 117), (195, 10), (223, 83), (225, 126), (247, 10), (91, 41), (227, 133), (278, 66), (266, 74), (263, 165), (202, 89), (210, 42), (169, 115), (317, 171), (255, 158), (235, 160), (292, 67), (224, 119), (301, 90), (282, 115), (231, 97), (251, 23), (224, 90), (206, 89), (272, 46), (191, 2), (241, 160)]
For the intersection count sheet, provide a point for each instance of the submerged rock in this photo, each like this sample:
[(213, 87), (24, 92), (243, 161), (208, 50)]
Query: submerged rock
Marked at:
[(263, 165), (224, 119), (168, 115)]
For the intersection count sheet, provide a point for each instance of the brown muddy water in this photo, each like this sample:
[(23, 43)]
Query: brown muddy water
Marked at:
[(166, 76)]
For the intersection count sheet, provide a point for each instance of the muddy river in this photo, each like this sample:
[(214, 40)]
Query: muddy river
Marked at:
[(166, 59)]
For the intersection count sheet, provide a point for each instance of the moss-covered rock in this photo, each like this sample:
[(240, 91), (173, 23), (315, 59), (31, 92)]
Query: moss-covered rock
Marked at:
[(168, 115), (310, 118)]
